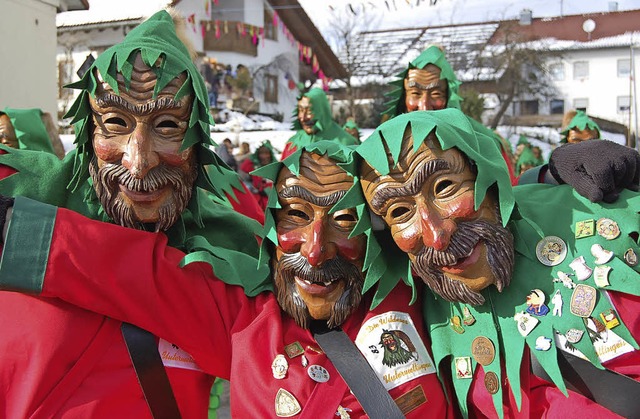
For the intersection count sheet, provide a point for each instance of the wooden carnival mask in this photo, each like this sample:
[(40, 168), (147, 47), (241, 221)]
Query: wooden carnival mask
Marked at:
[(306, 116), (424, 90), (140, 173), (318, 268), (427, 201)]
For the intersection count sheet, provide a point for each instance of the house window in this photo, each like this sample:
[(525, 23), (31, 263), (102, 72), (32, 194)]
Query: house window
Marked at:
[(270, 30), (624, 67), (529, 107), (556, 107), (271, 88), (624, 103), (580, 70), (581, 104), (557, 71)]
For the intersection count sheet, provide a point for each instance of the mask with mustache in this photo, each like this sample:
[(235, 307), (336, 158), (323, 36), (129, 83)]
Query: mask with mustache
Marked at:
[(108, 178), (293, 265), (500, 256)]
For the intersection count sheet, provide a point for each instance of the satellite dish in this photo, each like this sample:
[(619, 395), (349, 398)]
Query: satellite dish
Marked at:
[(588, 26)]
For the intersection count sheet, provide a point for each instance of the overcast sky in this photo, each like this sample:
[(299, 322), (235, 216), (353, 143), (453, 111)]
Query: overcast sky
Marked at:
[(412, 13)]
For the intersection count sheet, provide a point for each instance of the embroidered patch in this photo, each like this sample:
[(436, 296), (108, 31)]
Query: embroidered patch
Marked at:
[(173, 356), (411, 400), (392, 346)]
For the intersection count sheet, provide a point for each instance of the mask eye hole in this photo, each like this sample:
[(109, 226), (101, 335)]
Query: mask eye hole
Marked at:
[(442, 186), (115, 120), (294, 213), (399, 212)]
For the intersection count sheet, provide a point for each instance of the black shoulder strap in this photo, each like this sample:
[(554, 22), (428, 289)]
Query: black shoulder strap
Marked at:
[(358, 374), (611, 390), (143, 351)]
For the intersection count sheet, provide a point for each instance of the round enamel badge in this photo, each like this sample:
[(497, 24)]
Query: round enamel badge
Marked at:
[(607, 228), (551, 250), (318, 373)]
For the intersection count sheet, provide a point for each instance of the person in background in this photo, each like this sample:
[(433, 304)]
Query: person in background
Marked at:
[(577, 127), (258, 185), (352, 128), (30, 129), (314, 123)]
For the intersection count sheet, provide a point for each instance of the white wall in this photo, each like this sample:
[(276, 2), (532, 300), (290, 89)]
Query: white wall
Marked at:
[(602, 87), (28, 72)]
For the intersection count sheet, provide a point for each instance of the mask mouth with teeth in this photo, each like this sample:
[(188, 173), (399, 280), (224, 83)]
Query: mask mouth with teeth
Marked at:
[(298, 285)]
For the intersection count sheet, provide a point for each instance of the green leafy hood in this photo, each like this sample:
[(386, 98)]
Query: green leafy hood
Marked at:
[(30, 130), (432, 55), (326, 127)]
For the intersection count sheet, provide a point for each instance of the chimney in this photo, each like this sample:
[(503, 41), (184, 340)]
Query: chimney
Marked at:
[(613, 6), (525, 17)]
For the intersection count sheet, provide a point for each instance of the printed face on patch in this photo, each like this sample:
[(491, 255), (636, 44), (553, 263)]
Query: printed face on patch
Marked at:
[(7, 132), (424, 90), (305, 115), (577, 136), (139, 172), (427, 201), (318, 268)]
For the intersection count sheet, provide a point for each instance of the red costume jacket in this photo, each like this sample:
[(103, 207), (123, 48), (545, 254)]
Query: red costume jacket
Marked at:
[(60, 361), (229, 334)]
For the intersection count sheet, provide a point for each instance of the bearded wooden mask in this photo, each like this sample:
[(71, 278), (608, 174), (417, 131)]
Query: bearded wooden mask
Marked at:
[(318, 268), (7, 132), (139, 172), (427, 201)]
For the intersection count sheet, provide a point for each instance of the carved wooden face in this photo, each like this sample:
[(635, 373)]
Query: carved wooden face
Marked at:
[(353, 132), (427, 201), (423, 89), (305, 115), (140, 174), (577, 136), (7, 132), (318, 268)]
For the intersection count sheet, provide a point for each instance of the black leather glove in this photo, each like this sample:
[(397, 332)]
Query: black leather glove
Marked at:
[(596, 169), (5, 203)]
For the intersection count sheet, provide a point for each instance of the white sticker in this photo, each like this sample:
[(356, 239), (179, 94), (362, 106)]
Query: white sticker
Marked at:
[(392, 346), (173, 356)]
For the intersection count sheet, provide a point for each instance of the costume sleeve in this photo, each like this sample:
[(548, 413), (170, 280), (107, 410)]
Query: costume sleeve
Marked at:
[(5, 170), (126, 274), (247, 205)]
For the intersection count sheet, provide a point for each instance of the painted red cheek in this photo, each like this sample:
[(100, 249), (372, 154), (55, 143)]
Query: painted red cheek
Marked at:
[(438, 104), (290, 241), (351, 249), (174, 158), (107, 151), (407, 238)]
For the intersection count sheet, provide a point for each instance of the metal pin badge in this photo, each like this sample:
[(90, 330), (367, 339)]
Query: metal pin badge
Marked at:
[(607, 228), (601, 254), (286, 405), (583, 300), (551, 250), (279, 367), (318, 373), (601, 276), (579, 266)]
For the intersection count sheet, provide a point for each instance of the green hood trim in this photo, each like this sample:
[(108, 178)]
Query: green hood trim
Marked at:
[(523, 140), (326, 127), (227, 241), (495, 318), (452, 129), (377, 264), (154, 39), (351, 124), (432, 55), (254, 156), (580, 122), (30, 130)]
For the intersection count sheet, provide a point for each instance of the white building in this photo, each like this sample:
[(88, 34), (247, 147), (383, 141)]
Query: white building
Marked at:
[(269, 37), (28, 33)]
